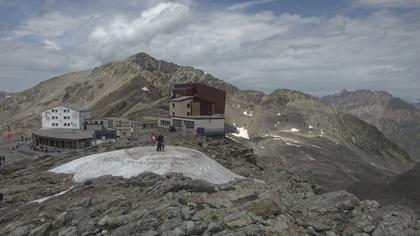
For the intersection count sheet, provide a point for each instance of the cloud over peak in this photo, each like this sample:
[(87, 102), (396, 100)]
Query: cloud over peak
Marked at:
[(259, 49)]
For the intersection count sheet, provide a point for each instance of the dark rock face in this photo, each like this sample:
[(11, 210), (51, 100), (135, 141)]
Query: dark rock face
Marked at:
[(167, 205), (397, 119)]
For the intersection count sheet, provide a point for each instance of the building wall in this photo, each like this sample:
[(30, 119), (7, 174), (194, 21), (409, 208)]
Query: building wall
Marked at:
[(62, 117), (180, 108), (204, 92), (208, 124), (83, 117)]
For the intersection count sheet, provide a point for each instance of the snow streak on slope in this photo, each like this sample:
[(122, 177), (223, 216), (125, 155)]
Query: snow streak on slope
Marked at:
[(134, 161), (243, 133)]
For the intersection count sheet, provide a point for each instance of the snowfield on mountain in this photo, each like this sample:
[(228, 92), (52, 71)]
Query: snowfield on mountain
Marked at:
[(134, 161)]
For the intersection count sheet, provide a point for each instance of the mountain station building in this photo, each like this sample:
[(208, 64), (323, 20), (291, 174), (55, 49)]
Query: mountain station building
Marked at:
[(63, 127), (198, 107)]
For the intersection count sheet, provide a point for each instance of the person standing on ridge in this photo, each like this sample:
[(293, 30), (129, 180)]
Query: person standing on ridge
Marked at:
[(160, 142)]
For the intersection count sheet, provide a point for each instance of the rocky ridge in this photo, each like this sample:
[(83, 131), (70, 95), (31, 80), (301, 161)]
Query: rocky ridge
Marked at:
[(397, 119), (173, 204)]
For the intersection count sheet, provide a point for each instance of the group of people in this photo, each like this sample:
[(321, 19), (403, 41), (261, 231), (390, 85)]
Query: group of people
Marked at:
[(160, 143), (39, 148), (2, 160)]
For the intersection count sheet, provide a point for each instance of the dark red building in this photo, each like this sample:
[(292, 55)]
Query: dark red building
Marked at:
[(206, 100)]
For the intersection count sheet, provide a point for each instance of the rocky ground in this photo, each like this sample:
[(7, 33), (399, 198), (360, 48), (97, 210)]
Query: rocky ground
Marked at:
[(285, 204)]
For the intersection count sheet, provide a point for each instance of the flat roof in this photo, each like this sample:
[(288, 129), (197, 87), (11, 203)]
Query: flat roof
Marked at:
[(182, 98), (63, 134), (76, 107)]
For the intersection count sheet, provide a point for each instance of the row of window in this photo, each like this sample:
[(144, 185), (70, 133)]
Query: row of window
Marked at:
[(65, 124), (188, 113), (188, 124), (56, 117), (65, 110), (188, 105), (165, 122)]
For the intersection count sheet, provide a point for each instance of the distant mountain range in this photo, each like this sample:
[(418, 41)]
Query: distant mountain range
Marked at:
[(397, 119)]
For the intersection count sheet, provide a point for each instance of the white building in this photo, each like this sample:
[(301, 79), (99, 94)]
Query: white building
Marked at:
[(69, 116)]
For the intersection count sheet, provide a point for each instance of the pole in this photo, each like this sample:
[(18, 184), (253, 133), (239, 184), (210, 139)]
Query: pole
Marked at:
[(9, 134)]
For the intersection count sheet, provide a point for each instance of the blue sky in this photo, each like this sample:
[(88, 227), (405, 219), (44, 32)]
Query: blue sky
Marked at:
[(316, 46)]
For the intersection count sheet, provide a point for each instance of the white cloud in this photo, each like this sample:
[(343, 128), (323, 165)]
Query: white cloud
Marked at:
[(260, 50), (244, 5), (122, 33), (51, 24), (386, 3), (51, 45)]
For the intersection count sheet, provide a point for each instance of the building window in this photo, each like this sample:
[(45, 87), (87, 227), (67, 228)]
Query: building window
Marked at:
[(165, 123), (188, 105), (189, 124), (177, 123), (173, 105), (188, 113), (173, 113)]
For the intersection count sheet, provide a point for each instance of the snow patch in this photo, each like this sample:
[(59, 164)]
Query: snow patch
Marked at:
[(310, 127), (134, 161), (315, 146), (145, 89), (248, 114), (292, 144), (278, 114), (294, 130), (243, 133), (310, 158), (55, 195)]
